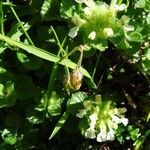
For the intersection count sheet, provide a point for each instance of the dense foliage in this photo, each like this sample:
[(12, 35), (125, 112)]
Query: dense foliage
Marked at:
[(74, 74)]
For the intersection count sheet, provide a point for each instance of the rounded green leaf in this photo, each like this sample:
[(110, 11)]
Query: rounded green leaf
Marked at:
[(135, 37), (24, 86), (7, 95), (30, 62)]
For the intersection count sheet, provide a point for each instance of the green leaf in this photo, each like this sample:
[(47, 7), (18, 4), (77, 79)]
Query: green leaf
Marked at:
[(59, 125), (135, 37), (4, 75), (8, 96), (123, 44), (15, 34), (42, 54), (8, 137), (24, 86), (30, 62), (67, 8), (75, 102), (15, 31)]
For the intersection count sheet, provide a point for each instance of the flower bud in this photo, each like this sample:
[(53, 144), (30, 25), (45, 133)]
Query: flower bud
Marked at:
[(76, 79)]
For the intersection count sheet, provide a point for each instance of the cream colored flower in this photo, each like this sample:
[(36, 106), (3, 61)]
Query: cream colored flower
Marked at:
[(124, 121), (92, 35), (102, 136), (110, 135), (73, 32), (80, 1), (90, 133), (108, 32)]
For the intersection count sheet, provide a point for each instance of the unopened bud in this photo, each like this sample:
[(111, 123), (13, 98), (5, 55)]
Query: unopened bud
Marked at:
[(76, 78)]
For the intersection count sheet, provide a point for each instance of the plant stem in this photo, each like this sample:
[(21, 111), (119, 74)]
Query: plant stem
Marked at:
[(96, 64), (60, 46), (70, 53), (1, 19), (54, 70), (81, 56), (17, 18)]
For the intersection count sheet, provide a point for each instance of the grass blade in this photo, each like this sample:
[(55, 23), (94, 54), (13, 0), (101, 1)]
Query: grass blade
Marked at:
[(42, 54), (59, 125)]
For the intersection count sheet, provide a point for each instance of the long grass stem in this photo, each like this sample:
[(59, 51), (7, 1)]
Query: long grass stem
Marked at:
[(21, 25)]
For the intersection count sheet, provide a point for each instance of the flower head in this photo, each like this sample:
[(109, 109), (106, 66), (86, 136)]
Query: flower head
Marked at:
[(103, 119)]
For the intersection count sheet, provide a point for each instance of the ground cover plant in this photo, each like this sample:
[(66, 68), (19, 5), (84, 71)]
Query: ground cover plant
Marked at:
[(74, 74)]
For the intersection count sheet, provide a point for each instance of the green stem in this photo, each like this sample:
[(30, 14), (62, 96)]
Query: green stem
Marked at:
[(52, 81), (96, 64), (17, 18), (54, 70), (1, 19), (70, 53), (59, 44)]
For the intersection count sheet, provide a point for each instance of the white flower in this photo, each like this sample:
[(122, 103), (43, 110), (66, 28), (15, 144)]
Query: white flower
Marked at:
[(112, 125), (93, 119), (73, 32), (122, 110), (103, 126), (102, 136), (90, 3), (128, 28), (87, 11), (124, 121), (77, 20), (108, 32), (80, 1), (116, 119), (110, 135), (120, 7), (92, 35), (90, 133)]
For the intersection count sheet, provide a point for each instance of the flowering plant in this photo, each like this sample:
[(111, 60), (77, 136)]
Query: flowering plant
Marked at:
[(101, 119), (98, 21)]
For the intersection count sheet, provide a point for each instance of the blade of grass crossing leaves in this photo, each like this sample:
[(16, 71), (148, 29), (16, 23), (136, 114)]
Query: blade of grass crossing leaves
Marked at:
[(42, 54), (30, 49), (59, 125)]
